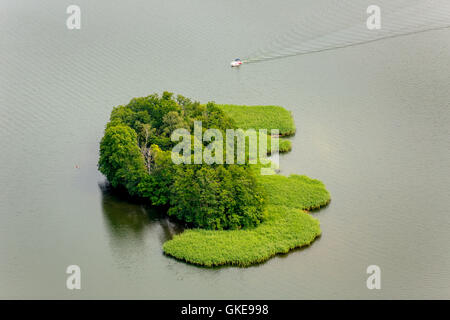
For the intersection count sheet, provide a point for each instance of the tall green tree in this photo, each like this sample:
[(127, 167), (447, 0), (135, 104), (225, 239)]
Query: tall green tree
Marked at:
[(121, 160)]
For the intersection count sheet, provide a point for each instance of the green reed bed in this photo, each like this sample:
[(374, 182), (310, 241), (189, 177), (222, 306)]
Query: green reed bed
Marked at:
[(295, 191), (284, 145), (283, 230), (261, 117)]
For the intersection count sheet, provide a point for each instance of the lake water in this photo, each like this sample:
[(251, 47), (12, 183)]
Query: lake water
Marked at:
[(372, 124)]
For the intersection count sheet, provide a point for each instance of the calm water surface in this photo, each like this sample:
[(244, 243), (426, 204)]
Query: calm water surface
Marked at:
[(372, 124)]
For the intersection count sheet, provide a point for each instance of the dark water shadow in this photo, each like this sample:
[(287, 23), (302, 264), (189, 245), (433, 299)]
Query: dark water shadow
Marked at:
[(129, 217)]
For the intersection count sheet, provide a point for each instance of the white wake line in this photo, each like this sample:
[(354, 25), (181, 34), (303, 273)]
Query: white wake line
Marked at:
[(416, 18), (266, 58)]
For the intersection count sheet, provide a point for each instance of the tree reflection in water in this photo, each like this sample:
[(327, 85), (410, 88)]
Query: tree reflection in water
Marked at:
[(131, 220)]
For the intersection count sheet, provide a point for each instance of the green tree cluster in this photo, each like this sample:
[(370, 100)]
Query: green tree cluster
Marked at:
[(135, 154), (216, 197)]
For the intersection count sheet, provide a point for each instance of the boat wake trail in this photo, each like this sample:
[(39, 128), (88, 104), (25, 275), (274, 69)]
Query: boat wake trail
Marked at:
[(345, 26)]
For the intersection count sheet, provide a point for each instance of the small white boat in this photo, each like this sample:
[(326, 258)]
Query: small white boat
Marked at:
[(236, 62)]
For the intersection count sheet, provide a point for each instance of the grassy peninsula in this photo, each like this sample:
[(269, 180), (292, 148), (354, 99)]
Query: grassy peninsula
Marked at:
[(284, 229), (295, 191), (263, 117)]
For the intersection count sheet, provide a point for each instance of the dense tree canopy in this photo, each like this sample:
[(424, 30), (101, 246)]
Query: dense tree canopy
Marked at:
[(216, 197), (120, 158), (135, 153)]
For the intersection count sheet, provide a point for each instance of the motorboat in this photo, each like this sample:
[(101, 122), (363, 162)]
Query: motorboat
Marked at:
[(236, 62)]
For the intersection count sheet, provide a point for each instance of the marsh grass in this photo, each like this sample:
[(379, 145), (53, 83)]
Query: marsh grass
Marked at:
[(295, 191), (283, 230), (284, 145), (261, 117)]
